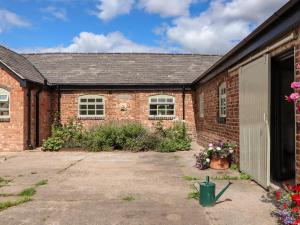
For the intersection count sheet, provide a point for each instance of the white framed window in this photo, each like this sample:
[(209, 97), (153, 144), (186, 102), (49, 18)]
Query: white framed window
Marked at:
[(201, 105), (162, 106), (91, 106), (4, 104), (222, 100)]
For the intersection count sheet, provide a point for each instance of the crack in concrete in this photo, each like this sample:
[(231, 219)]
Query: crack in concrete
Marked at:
[(71, 165)]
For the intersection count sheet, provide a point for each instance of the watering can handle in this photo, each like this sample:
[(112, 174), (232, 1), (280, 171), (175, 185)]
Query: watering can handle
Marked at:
[(198, 189)]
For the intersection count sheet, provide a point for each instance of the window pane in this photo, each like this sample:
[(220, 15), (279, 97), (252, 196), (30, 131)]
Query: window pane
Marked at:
[(4, 105), (99, 100), (170, 106), (161, 112), (83, 100), (170, 112), (153, 106), (4, 113), (91, 100), (160, 107), (99, 106), (153, 112), (161, 100), (91, 106), (91, 112), (3, 97), (153, 100), (99, 112), (170, 100), (83, 112), (82, 106)]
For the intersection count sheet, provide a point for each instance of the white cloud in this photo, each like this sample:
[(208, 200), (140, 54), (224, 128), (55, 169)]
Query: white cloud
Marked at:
[(10, 19), (58, 13), (108, 9), (93, 43), (167, 8), (220, 27)]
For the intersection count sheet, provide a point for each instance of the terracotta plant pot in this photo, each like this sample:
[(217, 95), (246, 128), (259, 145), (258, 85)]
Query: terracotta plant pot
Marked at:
[(219, 163)]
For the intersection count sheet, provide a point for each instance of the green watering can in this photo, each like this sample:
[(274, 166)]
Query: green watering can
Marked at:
[(207, 192)]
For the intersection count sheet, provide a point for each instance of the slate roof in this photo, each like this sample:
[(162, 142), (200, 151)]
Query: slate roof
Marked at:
[(120, 68), (20, 66)]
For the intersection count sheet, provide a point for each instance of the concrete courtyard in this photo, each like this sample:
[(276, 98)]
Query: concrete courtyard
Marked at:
[(122, 188)]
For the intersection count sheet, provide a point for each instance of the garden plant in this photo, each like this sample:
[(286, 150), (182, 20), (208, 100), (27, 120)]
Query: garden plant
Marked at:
[(220, 150), (127, 136)]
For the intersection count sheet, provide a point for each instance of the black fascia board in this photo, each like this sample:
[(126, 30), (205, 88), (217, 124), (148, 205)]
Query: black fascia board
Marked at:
[(123, 87)]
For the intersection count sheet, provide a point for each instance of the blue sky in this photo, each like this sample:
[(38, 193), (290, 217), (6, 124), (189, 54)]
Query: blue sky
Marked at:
[(192, 26)]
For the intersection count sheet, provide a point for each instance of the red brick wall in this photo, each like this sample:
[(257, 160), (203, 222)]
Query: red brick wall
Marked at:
[(137, 107), (209, 128), (12, 132)]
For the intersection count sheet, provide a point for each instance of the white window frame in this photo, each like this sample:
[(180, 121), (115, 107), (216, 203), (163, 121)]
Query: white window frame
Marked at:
[(91, 103), (7, 99), (166, 97), (201, 105), (222, 100)]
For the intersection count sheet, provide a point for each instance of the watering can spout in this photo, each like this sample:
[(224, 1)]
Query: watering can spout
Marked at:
[(222, 191)]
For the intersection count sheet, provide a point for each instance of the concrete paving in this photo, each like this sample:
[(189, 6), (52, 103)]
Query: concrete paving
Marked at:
[(122, 188)]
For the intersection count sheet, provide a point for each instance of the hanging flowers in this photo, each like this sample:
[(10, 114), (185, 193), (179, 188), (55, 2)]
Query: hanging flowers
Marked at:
[(294, 97)]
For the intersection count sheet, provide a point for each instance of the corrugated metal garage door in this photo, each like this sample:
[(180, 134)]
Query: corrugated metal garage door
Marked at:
[(254, 89)]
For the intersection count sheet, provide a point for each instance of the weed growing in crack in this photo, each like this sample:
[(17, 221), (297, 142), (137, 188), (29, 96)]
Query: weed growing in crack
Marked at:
[(193, 195), (41, 183), (128, 198), (28, 192), (190, 178), (7, 204)]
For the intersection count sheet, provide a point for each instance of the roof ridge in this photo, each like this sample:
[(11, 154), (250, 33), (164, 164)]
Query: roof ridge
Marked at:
[(119, 53)]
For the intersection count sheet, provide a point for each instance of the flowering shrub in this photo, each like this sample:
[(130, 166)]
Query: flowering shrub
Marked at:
[(219, 150), (288, 211), (294, 97)]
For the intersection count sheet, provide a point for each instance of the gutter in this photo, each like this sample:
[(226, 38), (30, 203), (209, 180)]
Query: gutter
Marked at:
[(183, 103), (123, 87), (37, 117), (29, 145)]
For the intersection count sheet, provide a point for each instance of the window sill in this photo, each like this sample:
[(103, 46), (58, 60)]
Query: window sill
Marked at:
[(161, 117), (4, 119), (91, 118)]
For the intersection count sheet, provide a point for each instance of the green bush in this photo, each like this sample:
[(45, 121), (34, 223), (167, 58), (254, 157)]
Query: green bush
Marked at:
[(53, 144), (129, 136), (102, 138), (175, 139), (69, 135)]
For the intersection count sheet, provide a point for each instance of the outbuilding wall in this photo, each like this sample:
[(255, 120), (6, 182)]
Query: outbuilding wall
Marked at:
[(12, 135), (209, 129), (136, 107)]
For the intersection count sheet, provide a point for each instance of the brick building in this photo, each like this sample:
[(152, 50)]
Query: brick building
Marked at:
[(238, 97), (95, 89), (241, 98)]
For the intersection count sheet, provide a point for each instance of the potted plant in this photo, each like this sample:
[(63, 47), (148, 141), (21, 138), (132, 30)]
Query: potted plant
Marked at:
[(219, 155), (216, 156)]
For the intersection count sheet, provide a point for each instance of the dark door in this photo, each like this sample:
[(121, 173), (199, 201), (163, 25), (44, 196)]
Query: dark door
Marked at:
[(282, 119)]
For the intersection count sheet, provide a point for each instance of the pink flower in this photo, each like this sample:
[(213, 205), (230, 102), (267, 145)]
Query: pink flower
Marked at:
[(294, 96), (295, 85)]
